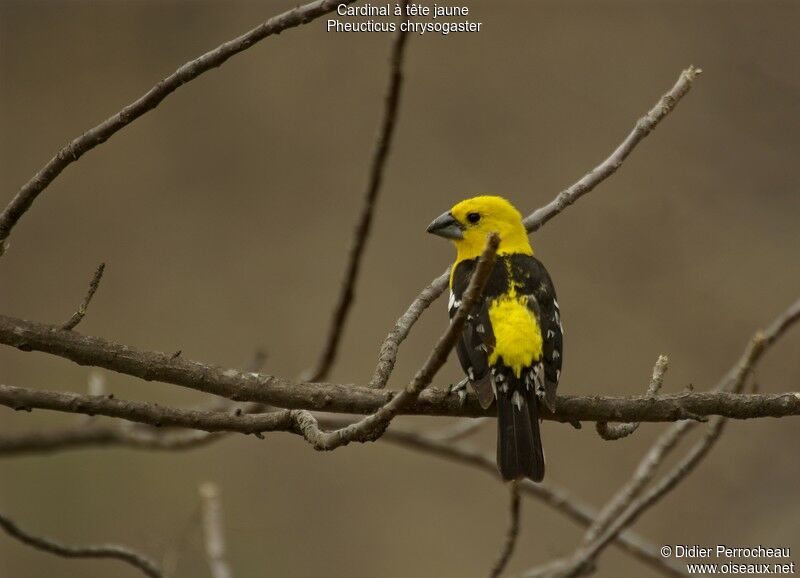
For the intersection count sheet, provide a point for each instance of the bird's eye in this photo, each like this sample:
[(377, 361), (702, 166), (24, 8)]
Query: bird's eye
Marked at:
[(473, 218)]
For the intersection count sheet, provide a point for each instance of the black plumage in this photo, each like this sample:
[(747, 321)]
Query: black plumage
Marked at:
[(519, 447)]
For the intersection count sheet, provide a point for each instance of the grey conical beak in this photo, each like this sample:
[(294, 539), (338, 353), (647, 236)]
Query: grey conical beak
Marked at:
[(446, 226)]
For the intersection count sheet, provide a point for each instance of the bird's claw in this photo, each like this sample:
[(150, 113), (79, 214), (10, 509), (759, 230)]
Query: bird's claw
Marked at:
[(460, 389)]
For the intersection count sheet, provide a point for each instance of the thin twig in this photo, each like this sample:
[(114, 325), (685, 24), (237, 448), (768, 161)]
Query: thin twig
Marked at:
[(81, 311), (535, 220), (379, 155), (644, 126), (213, 534), (617, 431), (71, 152), (511, 536), (113, 551), (391, 345)]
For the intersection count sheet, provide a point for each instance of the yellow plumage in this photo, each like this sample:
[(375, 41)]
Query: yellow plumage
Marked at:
[(511, 345), (518, 339)]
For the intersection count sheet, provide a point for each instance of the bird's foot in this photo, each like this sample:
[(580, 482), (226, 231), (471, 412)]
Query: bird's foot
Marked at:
[(460, 389)]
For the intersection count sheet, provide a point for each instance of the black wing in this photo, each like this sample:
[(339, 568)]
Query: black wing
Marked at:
[(535, 282), (477, 340)]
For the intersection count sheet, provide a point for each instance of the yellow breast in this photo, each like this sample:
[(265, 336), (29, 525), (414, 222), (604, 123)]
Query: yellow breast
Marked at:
[(518, 339)]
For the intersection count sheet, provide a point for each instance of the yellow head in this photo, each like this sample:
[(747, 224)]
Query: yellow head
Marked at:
[(469, 222)]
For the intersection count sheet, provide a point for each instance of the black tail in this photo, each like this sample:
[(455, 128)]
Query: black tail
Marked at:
[(519, 446)]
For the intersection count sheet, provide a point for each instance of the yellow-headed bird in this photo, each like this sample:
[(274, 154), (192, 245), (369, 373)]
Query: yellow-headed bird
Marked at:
[(511, 347)]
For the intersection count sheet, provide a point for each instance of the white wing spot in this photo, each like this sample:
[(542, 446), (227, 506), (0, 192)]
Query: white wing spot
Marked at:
[(451, 301), (471, 374), (550, 334), (516, 399), (556, 354)]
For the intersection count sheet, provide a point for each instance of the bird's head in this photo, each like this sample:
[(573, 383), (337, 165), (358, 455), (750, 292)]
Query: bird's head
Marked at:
[(469, 222)]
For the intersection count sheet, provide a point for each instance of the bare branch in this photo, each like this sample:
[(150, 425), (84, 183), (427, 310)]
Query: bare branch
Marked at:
[(629, 503), (113, 551), (617, 431), (361, 400), (513, 533), (669, 439), (71, 152), (214, 537), (644, 473), (535, 220), (401, 329), (137, 437), (77, 317), (374, 425), (304, 423), (379, 156), (555, 497), (279, 392), (644, 126)]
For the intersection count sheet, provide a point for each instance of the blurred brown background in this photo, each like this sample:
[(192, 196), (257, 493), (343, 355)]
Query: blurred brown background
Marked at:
[(225, 216)]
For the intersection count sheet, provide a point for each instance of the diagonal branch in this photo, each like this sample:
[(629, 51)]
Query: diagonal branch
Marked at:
[(629, 503), (379, 156), (147, 566), (534, 221), (71, 152), (551, 495), (647, 468), (391, 345), (373, 426), (304, 423), (644, 126), (137, 437)]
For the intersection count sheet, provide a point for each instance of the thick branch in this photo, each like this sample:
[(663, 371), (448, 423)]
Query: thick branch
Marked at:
[(71, 152), (338, 398), (111, 551)]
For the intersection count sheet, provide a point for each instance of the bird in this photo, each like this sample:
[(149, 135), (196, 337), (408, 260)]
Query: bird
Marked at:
[(511, 348)]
